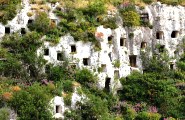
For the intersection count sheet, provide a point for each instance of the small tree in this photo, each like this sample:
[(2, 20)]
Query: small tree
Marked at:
[(130, 18)]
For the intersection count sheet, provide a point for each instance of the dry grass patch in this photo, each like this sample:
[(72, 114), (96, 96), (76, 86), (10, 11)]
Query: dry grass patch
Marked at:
[(45, 7), (37, 2), (29, 14), (35, 7)]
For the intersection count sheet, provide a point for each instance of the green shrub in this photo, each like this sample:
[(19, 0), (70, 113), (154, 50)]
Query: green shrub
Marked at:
[(67, 99), (85, 77), (117, 63), (22, 52), (127, 111), (71, 115), (152, 88), (171, 2), (4, 113), (32, 103), (8, 10), (148, 116), (94, 108), (130, 18), (61, 72), (95, 8), (41, 23), (148, 1), (67, 86), (110, 23)]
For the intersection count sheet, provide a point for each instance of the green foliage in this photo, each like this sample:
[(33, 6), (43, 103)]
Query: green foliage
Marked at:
[(93, 109), (117, 63), (32, 103), (61, 72), (4, 113), (151, 89), (41, 23), (81, 23), (67, 86), (171, 2), (95, 8), (109, 23), (130, 18), (85, 77), (67, 99), (72, 115), (22, 52), (130, 113), (148, 1), (148, 116), (8, 10), (156, 63)]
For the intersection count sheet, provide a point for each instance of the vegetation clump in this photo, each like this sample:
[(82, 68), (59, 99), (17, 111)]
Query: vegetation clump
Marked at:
[(8, 9)]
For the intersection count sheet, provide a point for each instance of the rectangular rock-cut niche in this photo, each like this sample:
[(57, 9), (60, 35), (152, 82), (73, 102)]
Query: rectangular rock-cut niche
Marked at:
[(86, 61), (60, 56), (107, 84), (144, 17), (46, 51), (161, 48), (143, 45), (73, 48), (159, 35), (58, 109), (116, 74), (30, 21), (122, 41), (23, 31), (171, 66), (132, 59), (110, 38), (174, 34), (104, 69), (7, 30)]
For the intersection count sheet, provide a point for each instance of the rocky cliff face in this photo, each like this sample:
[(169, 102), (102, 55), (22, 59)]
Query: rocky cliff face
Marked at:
[(120, 48)]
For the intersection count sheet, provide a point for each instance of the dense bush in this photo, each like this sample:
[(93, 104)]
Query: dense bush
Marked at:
[(95, 8), (4, 113), (41, 23), (61, 73), (85, 77), (32, 103), (93, 109), (109, 22), (67, 86), (8, 9), (148, 116), (130, 18), (22, 56), (148, 1)]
